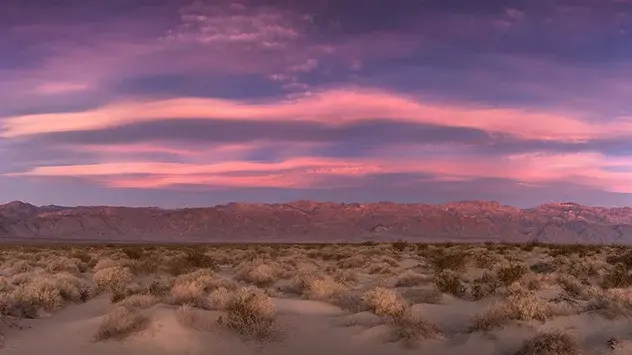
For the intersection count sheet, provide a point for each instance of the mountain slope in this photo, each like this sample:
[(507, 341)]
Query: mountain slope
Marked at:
[(320, 221)]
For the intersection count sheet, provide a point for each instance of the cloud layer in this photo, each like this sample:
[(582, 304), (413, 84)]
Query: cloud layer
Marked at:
[(235, 99)]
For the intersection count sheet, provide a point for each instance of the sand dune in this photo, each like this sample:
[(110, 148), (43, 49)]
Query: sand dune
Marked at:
[(364, 300)]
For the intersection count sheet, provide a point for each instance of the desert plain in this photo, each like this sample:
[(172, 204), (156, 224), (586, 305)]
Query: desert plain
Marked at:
[(369, 298)]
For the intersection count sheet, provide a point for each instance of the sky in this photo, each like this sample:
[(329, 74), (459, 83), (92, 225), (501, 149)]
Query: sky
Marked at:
[(176, 103)]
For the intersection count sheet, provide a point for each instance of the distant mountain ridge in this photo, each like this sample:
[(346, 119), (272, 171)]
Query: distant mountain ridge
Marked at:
[(309, 221)]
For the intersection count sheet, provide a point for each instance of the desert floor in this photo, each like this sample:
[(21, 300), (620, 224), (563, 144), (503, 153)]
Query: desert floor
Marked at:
[(395, 298)]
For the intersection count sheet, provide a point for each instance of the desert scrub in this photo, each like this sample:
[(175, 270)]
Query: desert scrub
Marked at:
[(510, 274), (611, 303), (194, 318), (384, 302), (410, 329), (618, 277), (353, 262), (572, 286), (448, 260), (380, 268), (189, 260), (121, 323), (521, 305), (550, 343), (113, 280), (193, 288), (251, 313), (450, 282), (259, 273), (138, 301), (410, 279)]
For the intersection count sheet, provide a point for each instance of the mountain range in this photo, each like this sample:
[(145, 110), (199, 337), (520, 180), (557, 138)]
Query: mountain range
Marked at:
[(309, 221)]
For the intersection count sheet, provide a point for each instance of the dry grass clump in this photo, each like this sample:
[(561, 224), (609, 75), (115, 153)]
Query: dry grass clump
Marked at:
[(520, 304), (507, 275), (550, 343), (410, 329), (449, 282), (619, 276), (404, 326), (43, 292), (193, 288), (353, 262), (443, 259), (189, 260), (252, 314), (194, 318), (120, 323), (260, 273), (19, 267), (104, 264), (138, 301), (410, 279), (380, 268), (572, 286), (316, 287), (384, 302), (114, 280), (611, 303), (63, 264)]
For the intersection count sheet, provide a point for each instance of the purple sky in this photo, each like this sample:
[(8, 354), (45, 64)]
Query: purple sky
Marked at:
[(187, 103)]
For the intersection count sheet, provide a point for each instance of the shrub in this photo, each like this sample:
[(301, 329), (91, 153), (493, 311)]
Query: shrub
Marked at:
[(384, 302), (251, 313), (194, 318), (114, 280), (409, 329), (519, 305), (448, 260), (400, 245), (618, 277), (510, 274), (138, 301), (120, 323), (550, 343), (449, 282)]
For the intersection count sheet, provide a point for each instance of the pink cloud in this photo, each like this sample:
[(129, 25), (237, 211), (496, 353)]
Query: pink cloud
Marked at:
[(586, 169), (332, 107)]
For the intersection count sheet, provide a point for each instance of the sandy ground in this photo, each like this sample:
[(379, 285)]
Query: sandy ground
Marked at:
[(318, 328), (310, 327)]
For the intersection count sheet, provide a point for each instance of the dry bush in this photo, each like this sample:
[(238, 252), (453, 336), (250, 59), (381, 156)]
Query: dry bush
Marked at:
[(572, 286), (484, 286), (19, 267), (315, 286), (345, 276), (617, 277), (384, 302), (380, 268), (259, 273), (353, 262), (410, 279), (63, 264), (519, 305), (138, 301), (542, 267), (611, 303), (120, 323), (194, 318), (443, 260), (509, 274), (423, 295), (410, 329), (218, 299), (188, 261), (252, 314), (44, 292), (104, 264), (449, 282), (550, 343), (114, 280)]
